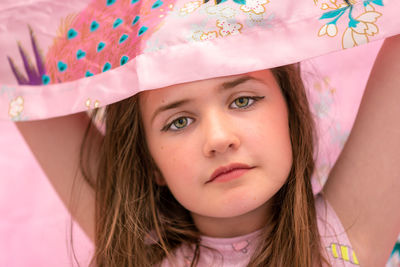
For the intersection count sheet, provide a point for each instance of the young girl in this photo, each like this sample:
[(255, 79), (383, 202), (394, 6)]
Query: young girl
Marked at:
[(216, 172)]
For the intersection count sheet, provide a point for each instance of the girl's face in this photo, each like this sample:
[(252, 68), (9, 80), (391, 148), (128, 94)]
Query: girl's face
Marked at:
[(194, 128)]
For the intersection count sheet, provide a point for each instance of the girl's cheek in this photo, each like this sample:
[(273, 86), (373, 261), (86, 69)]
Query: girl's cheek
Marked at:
[(179, 157)]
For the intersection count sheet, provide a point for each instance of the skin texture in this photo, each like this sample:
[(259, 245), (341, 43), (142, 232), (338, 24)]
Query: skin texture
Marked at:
[(216, 131)]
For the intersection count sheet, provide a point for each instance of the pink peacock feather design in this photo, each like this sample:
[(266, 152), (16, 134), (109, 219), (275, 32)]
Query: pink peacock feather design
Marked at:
[(103, 36)]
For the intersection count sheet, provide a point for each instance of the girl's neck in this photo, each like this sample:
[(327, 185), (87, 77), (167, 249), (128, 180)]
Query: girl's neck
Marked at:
[(234, 226)]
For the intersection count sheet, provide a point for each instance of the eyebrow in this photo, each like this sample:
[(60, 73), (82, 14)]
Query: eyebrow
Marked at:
[(222, 87)]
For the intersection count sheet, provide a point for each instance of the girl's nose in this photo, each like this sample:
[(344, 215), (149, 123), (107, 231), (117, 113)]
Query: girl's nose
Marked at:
[(220, 135)]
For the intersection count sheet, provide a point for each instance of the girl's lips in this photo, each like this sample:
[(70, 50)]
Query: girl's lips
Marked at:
[(225, 170), (233, 174)]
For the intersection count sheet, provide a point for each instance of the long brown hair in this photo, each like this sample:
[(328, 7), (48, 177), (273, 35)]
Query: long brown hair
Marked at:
[(139, 223)]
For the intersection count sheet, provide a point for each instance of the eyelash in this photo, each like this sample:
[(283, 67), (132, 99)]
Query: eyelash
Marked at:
[(167, 127)]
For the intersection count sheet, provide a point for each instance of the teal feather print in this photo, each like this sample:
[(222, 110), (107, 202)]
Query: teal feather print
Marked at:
[(103, 36)]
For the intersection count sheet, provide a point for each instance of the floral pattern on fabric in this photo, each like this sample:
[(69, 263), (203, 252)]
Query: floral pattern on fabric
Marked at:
[(225, 14), (16, 108), (92, 37), (358, 28)]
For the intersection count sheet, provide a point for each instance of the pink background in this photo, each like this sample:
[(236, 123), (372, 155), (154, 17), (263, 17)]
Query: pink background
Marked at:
[(34, 224)]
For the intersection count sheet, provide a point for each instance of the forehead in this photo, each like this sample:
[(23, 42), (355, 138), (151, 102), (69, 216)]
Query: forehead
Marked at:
[(191, 89)]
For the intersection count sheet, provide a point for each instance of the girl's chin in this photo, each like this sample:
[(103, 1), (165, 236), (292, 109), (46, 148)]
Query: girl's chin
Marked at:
[(234, 210)]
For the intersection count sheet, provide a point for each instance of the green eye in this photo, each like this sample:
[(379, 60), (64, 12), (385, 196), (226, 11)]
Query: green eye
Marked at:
[(180, 122), (242, 101)]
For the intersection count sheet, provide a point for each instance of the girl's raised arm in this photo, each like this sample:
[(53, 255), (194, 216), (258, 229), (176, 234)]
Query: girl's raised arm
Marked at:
[(364, 184), (56, 145)]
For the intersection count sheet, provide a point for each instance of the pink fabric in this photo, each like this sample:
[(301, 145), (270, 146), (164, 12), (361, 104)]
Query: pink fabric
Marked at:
[(225, 39), (237, 251)]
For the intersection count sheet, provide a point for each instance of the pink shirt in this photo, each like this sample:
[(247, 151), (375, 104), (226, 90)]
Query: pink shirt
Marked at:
[(237, 251)]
